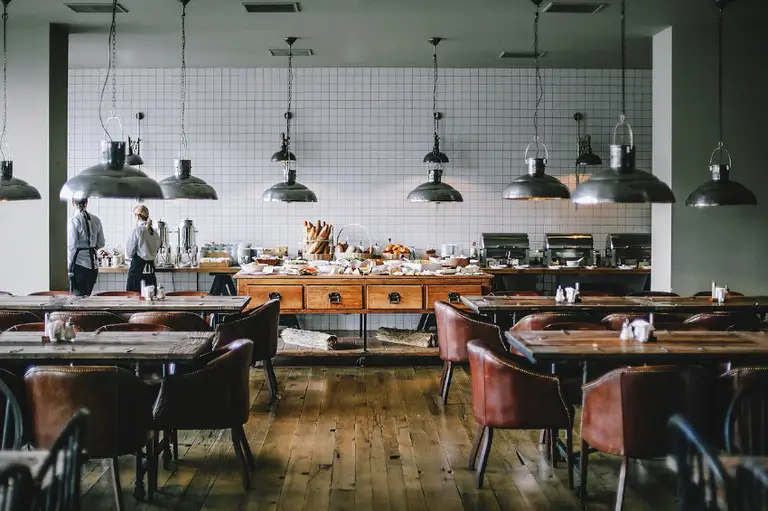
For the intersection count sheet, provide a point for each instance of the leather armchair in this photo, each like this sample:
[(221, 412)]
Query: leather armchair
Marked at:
[(616, 320), (119, 423), (87, 321), (540, 320), (52, 293), (260, 325), (134, 327), (506, 395), (187, 293), (574, 325), (455, 328), (37, 326), (213, 397), (13, 318), (724, 321), (180, 321), (118, 293), (626, 412)]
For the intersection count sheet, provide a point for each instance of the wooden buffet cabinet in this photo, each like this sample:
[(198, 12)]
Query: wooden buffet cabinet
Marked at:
[(357, 294)]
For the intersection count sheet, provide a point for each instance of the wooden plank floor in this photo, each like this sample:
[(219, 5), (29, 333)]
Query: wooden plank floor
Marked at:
[(350, 344), (372, 438)]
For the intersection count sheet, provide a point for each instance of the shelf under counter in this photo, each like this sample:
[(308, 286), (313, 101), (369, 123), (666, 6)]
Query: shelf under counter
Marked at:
[(567, 271)]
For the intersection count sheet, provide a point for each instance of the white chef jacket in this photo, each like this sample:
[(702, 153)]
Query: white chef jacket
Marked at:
[(76, 238), (142, 243)]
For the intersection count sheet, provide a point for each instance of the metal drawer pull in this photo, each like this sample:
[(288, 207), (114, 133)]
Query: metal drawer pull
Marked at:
[(453, 297), (334, 298), (394, 297), (275, 296)]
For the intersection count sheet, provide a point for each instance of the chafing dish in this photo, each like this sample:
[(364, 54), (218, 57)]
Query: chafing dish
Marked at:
[(627, 249), (504, 248), (561, 248)]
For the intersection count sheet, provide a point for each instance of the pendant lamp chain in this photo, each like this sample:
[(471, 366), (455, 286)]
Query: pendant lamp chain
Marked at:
[(539, 86), (110, 72), (623, 60), (720, 75), (435, 115), (288, 113), (3, 134), (184, 143)]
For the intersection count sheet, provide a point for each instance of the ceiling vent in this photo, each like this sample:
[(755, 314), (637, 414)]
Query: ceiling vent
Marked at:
[(95, 8), (520, 55), (283, 52), (272, 7), (574, 7)]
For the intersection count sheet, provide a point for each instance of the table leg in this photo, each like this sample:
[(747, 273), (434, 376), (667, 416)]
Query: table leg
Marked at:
[(365, 332)]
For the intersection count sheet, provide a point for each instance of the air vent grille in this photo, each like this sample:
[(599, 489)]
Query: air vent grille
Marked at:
[(283, 52), (95, 8), (574, 8), (272, 7), (520, 55)]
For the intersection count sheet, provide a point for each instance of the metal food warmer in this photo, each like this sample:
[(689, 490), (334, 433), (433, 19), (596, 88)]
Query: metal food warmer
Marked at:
[(560, 248), (628, 249), (504, 248)]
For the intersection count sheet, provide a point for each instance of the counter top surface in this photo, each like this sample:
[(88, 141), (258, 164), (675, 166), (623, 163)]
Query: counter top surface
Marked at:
[(451, 278), (230, 270)]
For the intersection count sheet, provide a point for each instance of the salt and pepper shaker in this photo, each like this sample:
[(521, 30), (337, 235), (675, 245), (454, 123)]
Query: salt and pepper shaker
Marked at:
[(559, 295), (46, 322), (161, 293), (69, 331), (714, 290), (626, 334)]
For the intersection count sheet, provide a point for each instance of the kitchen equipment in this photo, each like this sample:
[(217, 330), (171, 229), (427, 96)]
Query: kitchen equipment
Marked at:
[(627, 249), (244, 253), (504, 247), (561, 248), (448, 250), (186, 247), (163, 258)]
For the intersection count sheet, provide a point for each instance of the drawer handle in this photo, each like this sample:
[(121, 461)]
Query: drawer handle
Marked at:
[(454, 297), (394, 297), (275, 296), (334, 298)]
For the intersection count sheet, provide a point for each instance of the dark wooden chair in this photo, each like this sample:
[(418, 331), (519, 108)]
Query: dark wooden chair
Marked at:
[(117, 293), (58, 479), (703, 483), (11, 413), (87, 321), (746, 419), (16, 488), (187, 293), (13, 318), (134, 327), (752, 484), (179, 321)]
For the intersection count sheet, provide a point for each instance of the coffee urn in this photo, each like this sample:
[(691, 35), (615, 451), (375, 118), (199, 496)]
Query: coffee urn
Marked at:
[(164, 257), (186, 247)]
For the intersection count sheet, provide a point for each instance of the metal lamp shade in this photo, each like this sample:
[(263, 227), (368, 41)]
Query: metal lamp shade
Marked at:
[(183, 185), (623, 183), (289, 190), (589, 158), (283, 156), (437, 157), (536, 184), (134, 159), (12, 189), (435, 192), (721, 191), (111, 179)]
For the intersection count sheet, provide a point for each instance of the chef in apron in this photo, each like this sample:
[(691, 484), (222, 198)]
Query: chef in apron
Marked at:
[(142, 247), (84, 237)]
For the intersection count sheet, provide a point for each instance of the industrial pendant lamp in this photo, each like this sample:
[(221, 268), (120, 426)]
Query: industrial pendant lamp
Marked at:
[(623, 183), (586, 157), (536, 184), (289, 190), (182, 184), (134, 146), (720, 190), (435, 190), (11, 188), (111, 178)]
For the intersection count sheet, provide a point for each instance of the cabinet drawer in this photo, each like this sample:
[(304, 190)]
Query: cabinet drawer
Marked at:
[(291, 297), (334, 297), (450, 294), (384, 297)]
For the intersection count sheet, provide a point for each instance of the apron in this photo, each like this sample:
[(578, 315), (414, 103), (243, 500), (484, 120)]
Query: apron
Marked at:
[(140, 269), (91, 252)]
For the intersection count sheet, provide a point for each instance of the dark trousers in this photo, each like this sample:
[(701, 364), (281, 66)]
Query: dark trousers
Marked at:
[(140, 270), (83, 280)]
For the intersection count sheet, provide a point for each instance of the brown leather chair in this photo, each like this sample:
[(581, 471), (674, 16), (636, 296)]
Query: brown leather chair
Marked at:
[(724, 321), (616, 320), (37, 326), (654, 293), (540, 320), (596, 293), (509, 292), (709, 293), (87, 321), (507, 396), (455, 328), (575, 325), (119, 423), (52, 293), (213, 397), (260, 325), (118, 293), (179, 321), (12, 318), (134, 327), (5, 293), (746, 433), (186, 293), (626, 412)]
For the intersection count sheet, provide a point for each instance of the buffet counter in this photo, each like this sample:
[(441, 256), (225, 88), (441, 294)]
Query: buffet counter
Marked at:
[(581, 270)]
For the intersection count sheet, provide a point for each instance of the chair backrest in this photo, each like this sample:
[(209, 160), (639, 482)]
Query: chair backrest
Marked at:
[(654, 293), (575, 325), (539, 320), (16, 488), (186, 293), (52, 293), (455, 328), (87, 321), (134, 327), (746, 418), (11, 415), (260, 325), (616, 320), (59, 476), (118, 293), (626, 411), (13, 318), (180, 321), (119, 404), (37, 326), (510, 292), (709, 293), (752, 484), (724, 321), (596, 293), (703, 483)]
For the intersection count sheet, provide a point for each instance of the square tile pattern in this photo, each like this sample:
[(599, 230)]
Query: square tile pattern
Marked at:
[(360, 135)]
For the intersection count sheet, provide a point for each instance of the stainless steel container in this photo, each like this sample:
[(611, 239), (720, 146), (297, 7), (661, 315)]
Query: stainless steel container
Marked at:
[(504, 247), (162, 230), (627, 249), (186, 235), (560, 248), (164, 252)]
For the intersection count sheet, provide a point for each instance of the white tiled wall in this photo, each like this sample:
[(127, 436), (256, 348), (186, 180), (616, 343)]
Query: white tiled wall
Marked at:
[(360, 135)]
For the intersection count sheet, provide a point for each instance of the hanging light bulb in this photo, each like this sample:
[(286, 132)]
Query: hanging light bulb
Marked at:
[(111, 178), (720, 190), (11, 188), (536, 184), (289, 190), (623, 183), (182, 184), (435, 190)]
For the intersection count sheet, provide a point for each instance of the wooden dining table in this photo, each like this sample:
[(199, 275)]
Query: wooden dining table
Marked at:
[(196, 304)]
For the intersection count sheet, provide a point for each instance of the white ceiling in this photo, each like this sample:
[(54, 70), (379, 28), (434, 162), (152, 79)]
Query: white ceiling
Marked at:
[(373, 32)]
